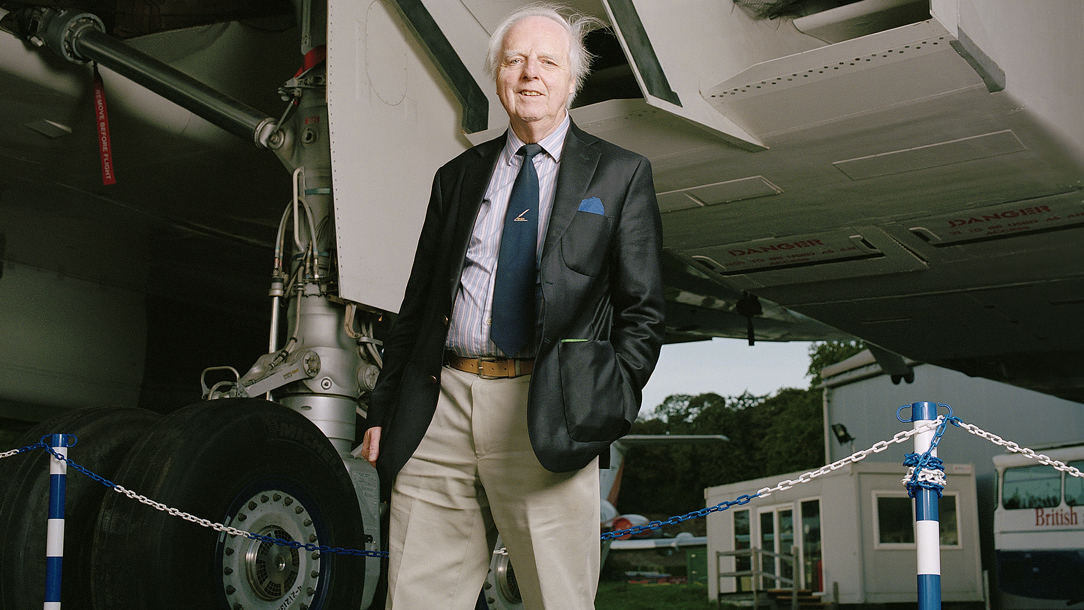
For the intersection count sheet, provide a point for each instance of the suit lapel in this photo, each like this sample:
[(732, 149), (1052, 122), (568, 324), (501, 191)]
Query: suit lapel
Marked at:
[(475, 176), (578, 162)]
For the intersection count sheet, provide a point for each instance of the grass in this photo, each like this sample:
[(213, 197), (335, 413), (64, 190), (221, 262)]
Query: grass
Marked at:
[(624, 596)]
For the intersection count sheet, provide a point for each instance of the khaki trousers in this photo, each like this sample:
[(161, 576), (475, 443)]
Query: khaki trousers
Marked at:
[(473, 474)]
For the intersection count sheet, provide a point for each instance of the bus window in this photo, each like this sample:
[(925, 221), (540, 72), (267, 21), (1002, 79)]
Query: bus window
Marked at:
[(1031, 487), (1074, 486)]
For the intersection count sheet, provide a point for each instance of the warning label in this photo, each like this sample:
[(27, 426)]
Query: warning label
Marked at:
[(1000, 221), (781, 253)]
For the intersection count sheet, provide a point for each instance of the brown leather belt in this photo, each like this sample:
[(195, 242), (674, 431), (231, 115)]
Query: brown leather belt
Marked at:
[(491, 367)]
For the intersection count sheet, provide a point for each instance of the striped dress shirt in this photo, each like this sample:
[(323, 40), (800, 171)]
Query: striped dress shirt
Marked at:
[(468, 332)]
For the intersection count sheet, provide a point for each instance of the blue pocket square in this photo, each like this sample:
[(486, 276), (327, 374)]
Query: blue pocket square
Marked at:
[(592, 206)]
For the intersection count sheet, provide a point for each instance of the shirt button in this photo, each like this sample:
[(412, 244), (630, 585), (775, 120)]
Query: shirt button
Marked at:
[(432, 379), (446, 320), (489, 321)]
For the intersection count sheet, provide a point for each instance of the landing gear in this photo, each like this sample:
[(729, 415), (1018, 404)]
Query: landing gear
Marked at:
[(249, 464)]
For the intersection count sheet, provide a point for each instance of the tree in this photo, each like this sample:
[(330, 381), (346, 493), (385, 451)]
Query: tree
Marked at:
[(769, 435), (826, 353)]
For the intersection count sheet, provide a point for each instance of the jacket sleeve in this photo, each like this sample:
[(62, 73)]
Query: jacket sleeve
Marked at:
[(636, 291), (404, 333)]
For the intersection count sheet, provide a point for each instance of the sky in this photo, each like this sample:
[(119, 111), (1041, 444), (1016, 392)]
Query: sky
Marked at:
[(727, 367)]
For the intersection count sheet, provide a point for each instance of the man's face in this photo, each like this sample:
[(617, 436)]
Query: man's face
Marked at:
[(534, 82)]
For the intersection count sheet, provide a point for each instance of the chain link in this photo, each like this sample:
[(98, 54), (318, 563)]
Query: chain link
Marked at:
[(927, 476), (6, 454), (1015, 448), (857, 456), (218, 527)]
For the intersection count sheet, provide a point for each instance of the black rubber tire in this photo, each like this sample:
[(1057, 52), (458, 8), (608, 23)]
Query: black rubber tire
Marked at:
[(208, 460), (104, 436)]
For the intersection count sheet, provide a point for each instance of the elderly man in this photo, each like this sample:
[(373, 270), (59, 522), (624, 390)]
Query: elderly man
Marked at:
[(532, 319)]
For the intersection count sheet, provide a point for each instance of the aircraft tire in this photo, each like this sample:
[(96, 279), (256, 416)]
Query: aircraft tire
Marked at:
[(501, 591), (104, 435), (245, 463)]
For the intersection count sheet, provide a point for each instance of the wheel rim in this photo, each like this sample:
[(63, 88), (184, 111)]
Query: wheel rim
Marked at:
[(260, 574), (506, 581)]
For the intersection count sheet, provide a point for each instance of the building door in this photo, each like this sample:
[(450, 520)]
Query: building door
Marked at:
[(777, 536)]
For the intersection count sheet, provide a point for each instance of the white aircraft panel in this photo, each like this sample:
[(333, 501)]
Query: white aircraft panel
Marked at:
[(393, 123)]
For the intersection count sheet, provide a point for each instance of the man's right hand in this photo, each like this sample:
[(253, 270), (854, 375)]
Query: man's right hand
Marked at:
[(370, 445)]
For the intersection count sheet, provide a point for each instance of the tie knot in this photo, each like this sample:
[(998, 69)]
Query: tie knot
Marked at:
[(529, 150)]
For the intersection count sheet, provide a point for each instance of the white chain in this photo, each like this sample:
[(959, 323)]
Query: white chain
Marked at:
[(927, 475), (1011, 446), (218, 527), (850, 459)]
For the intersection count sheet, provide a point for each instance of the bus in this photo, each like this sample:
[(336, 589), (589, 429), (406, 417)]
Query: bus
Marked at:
[(1039, 527)]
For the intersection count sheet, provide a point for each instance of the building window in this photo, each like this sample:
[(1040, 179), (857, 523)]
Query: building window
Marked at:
[(950, 530), (1031, 487), (895, 520), (812, 555)]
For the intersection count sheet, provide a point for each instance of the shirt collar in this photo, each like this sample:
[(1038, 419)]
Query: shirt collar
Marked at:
[(553, 144)]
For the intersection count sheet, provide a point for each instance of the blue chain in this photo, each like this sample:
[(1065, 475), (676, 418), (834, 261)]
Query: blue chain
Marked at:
[(258, 537), (703, 512), (918, 461), (926, 460)]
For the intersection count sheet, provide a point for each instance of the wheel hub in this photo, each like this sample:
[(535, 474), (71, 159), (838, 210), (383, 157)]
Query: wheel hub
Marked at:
[(262, 575)]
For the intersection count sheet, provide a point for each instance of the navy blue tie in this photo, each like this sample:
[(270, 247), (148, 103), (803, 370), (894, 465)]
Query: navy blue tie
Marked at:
[(514, 300)]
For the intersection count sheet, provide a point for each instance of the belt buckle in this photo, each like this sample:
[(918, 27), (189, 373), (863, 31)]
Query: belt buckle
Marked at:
[(493, 359)]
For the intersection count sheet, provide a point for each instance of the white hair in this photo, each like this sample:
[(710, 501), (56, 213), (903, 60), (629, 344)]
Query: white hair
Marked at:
[(576, 24)]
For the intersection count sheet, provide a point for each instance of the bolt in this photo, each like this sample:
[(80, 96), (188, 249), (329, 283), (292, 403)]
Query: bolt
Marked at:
[(314, 574), (288, 501), (251, 505), (307, 522), (313, 538), (230, 590), (299, 509), (227, 571), (263, 498), (229, 551), (242, 517), (325, 383), (277, 497)]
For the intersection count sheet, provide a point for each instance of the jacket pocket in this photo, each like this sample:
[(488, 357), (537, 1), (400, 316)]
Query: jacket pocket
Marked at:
[(584, 244), (591, 385)]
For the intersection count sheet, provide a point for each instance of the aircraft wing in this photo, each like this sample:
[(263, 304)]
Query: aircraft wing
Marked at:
[(904, 172)]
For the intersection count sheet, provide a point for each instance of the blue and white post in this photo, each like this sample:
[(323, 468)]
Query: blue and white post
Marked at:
[(927, 527), (54, 542)]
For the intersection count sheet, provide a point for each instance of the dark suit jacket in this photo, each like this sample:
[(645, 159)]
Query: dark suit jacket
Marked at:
[(601, 312)]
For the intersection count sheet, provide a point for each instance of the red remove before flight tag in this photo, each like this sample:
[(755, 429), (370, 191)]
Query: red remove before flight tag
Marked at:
[(102, 117)]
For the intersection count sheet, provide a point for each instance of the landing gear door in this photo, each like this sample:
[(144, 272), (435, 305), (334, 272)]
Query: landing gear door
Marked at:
[(398, 111)]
